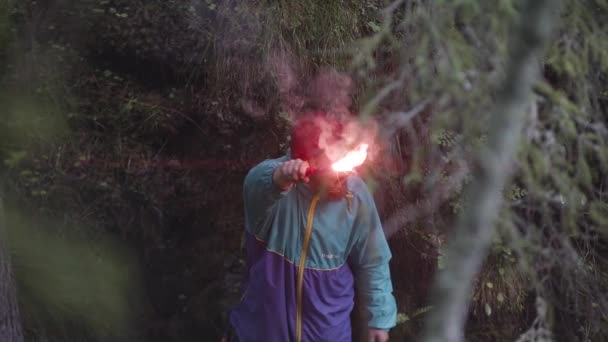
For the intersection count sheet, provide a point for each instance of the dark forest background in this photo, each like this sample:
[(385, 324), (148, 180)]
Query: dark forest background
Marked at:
[(127, 127)]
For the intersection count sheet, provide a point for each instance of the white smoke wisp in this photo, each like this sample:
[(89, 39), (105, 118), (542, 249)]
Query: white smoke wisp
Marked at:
[(289, 81), (331, 91), (353, 133)]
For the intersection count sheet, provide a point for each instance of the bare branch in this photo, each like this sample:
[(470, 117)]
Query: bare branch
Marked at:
[(427, 206)]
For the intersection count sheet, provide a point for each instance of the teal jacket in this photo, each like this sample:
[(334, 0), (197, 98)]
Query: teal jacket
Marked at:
[(305, 256)]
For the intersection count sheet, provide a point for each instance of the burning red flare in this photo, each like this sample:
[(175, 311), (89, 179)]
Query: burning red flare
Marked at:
[(351, 160)]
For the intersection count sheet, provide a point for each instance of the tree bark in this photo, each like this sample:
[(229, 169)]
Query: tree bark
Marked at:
[(10, 325), (468, 244)]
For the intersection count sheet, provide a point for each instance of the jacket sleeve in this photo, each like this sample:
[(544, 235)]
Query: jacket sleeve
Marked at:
[(370, 262), (260, 194)]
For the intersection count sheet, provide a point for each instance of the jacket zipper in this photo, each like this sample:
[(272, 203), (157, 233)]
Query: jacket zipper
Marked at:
[(307, 234)]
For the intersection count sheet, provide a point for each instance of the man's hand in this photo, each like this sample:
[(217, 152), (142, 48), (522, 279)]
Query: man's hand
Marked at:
[(289, 172), (377, 335)]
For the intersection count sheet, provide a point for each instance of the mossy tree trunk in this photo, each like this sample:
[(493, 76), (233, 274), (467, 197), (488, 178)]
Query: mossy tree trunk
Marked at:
[(10, 325), (469, 243)]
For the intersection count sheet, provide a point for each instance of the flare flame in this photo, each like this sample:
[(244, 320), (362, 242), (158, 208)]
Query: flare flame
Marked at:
[(351, 160)]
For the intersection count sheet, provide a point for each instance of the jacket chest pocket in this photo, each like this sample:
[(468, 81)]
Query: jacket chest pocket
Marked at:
[(329, 242)]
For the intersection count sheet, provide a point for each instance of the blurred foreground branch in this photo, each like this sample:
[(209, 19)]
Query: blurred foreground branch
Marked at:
[(469, 242)]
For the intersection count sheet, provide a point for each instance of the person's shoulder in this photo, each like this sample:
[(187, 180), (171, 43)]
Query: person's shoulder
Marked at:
[(357, 186), (262, 170), (277, 160), (269, 162)]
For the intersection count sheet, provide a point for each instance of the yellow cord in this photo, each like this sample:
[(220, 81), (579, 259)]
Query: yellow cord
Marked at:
[(308, 233)]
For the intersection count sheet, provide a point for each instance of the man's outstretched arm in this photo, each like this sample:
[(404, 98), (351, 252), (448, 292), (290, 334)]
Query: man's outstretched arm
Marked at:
[(266, 183)]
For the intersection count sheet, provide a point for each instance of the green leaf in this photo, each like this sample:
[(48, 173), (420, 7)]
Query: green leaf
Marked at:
[(402, 318), (412, 178), (583, 172), (374, 26), (500, 297), (568, 128), (599, 214), (14, 158), (487, 309)]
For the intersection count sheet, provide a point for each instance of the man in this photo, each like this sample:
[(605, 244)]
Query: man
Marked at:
[(311, 239)]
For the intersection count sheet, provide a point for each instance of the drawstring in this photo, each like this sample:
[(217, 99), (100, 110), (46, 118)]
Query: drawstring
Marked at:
[(349, 197), (307, 234)]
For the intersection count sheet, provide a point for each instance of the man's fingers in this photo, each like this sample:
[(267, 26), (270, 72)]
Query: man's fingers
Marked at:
[(295, 173), (288, 170), (294, 170), (375, 335), (291, 170), (303, 167)]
